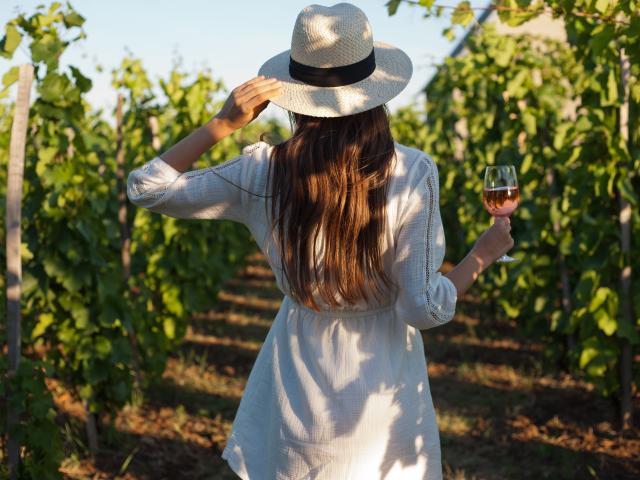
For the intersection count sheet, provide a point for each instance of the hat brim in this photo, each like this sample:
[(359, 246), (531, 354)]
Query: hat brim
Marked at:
[(392, 74)]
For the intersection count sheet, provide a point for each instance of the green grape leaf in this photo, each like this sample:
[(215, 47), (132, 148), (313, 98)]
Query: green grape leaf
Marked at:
[(46, 49), (530, 123), (44, 321), (511, 310), (73, 19), (169, 327), (602, 37), (392, 6), (462, 14), (11, 76), (612, 88), (606, 322), (103, 346), (10, 41), (515, 14), (626, 189), (449, 34), (82, 82), (602, 5), (626, 330), (599, 298)]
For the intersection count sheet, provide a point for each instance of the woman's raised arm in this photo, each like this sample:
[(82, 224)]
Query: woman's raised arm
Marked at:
[(166, 185), (242, 106)]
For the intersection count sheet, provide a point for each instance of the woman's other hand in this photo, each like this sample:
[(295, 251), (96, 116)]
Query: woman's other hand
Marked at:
[(246, 102), (491, 245), (494, 241)]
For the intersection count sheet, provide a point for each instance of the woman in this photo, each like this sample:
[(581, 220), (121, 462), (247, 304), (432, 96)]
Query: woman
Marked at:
[(339, 389)]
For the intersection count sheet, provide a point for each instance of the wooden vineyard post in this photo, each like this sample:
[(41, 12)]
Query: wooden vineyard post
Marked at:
[(15, 179), (155, 139), (626, 365), (90, 426), (125, 237), (125, 233), (564, 274)]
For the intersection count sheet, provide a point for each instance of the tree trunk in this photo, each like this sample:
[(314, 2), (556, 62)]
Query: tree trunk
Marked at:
[(125, 234), (14, 262), (626, 360)]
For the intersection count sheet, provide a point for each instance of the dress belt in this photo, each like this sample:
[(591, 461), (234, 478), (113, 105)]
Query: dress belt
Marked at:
[(339, 313)]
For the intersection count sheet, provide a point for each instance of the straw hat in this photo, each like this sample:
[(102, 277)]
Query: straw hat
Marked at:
[(334, 68)]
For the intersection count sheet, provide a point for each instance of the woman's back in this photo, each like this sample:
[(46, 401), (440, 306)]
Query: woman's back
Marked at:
[(412, 212)]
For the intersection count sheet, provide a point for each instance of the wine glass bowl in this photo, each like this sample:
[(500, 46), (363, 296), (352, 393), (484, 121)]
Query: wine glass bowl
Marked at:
[(501, 195), (501, 201)]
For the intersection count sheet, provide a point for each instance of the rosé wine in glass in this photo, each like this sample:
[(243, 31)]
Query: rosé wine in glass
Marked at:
[(501, 201), (501, 194)]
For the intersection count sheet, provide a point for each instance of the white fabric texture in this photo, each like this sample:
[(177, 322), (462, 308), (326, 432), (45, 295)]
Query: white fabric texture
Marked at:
[(341, 393)]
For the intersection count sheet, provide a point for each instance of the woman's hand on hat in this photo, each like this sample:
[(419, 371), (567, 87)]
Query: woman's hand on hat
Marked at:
[(246, 101), (243, 105)]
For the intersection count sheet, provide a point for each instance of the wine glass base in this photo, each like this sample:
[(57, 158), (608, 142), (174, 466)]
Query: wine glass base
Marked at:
[(507, 259)]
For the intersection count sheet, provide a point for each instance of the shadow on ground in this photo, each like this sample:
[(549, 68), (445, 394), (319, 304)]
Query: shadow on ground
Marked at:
[(500, 415)]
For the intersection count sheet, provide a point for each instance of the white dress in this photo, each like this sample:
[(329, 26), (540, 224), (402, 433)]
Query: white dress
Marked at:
[(341, 393)]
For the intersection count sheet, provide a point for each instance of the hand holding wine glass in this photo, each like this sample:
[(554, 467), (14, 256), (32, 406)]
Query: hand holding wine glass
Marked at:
[(501, 196), (494, 242)]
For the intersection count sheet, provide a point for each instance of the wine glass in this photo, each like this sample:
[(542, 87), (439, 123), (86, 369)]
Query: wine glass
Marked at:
[(501, 195)]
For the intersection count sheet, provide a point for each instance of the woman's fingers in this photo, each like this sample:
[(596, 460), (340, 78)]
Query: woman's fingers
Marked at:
[(243, 86), (504, 222), (257, 82), (260, 107), (257, 89), (252, 99), (262, 94)]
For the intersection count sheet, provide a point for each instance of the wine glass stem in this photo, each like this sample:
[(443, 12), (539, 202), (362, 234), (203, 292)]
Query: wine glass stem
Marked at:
[(504, 258)]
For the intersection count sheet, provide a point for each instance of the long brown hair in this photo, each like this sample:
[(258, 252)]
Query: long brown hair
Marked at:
[(331, 176)]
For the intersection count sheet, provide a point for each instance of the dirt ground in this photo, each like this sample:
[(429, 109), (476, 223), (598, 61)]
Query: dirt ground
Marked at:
[(500, 415)]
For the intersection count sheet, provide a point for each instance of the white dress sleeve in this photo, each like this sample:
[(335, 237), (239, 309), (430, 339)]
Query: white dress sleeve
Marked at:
[(426, 298), (196, 194)]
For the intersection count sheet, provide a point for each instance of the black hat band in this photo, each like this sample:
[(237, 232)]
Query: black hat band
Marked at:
[(333, 76)]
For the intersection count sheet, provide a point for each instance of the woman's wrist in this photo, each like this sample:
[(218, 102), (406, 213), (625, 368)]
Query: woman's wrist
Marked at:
[(467, 271), (182, 155), (218, 128), (479, 260)]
